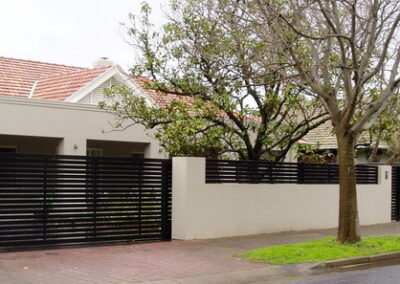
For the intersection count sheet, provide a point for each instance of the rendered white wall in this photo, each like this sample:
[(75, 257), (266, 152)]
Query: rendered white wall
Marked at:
[(73, 123), (201, 210)]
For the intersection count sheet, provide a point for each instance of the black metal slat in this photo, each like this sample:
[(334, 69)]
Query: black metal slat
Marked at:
[(60, 222), (82, 225), (80, 240)]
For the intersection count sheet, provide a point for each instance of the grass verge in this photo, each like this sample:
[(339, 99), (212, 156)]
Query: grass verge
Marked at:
[(322, 250)]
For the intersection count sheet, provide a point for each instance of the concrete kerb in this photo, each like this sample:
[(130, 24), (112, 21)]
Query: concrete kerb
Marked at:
[(369, 259)]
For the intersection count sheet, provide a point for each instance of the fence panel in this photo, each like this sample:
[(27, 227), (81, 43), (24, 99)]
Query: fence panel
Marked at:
[(226, 171), (49, 199)]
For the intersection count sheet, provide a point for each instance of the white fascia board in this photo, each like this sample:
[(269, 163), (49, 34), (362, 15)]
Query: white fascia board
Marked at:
[(85, 90), (113, 71), (130, 83)]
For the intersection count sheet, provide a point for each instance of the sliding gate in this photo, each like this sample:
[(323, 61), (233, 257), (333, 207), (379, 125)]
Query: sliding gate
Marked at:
[(60, 200)]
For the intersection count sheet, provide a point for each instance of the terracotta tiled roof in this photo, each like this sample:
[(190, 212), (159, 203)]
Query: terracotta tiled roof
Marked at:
[(60, 87), (57, 82), (162, 99), (17, 76), (159, 98), (325, 137), (322, 135)]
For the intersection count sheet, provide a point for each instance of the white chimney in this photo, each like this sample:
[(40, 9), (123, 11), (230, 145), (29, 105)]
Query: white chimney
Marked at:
[(102, 62)]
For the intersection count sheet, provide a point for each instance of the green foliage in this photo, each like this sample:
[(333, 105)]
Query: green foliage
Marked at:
[(180, 127), (210, 51), (322, 250), (386, 131), (312, 153)]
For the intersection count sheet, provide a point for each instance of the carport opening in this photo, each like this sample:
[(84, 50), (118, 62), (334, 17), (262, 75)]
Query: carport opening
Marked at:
[(116, 149), (28, 144)]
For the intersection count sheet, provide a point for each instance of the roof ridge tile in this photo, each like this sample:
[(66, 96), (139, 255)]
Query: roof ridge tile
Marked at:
[(42, 62)]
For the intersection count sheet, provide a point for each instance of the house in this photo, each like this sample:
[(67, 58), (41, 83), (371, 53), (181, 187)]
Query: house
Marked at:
[(48, 108)]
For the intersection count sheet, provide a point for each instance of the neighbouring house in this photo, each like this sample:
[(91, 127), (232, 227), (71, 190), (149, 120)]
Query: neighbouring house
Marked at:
[(325, 140), (50, 108)]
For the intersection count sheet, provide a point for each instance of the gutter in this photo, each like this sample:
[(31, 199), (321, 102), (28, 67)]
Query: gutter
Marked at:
[(359, 261), (48, 103)]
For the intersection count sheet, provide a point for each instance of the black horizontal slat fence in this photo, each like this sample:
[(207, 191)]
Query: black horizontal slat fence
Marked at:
[(226, 171), (53, 199)]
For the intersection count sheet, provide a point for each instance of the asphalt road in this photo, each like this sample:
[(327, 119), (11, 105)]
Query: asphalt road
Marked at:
[(378, 275)]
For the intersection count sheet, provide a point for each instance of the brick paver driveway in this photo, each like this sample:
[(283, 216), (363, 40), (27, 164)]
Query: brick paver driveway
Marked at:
[(152, 261)]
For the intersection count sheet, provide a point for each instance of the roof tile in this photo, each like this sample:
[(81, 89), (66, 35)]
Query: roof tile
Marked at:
[(17, 76), (62, 86), (159, 98)]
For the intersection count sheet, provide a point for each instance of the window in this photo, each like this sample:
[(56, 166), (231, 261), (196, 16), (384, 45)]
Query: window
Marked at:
[(94, 152), (137, 155)]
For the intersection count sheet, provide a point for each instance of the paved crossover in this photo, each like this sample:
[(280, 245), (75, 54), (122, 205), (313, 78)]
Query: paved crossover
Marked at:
[(201, 261)]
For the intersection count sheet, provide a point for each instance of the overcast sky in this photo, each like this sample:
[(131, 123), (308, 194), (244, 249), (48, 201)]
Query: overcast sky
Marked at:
[(72, 32)]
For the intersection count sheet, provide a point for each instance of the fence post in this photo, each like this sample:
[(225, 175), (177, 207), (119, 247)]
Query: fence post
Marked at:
[(188, 176), (270, 169), (237, 170), (95, 162), (165, 188), (45, 198), (397, 192), (329, 173), (300, 173), (141, 166)]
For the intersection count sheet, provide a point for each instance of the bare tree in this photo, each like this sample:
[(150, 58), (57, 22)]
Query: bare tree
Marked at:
[(242, 102), (343, 52)]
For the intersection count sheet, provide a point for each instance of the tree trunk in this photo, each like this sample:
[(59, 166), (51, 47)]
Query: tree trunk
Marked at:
[(373, 158), (348, 214), (393, 158)]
